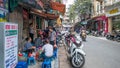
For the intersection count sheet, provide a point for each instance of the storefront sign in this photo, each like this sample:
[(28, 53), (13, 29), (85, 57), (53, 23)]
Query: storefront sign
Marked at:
[(58, 6), (114, 11), (11, 45)]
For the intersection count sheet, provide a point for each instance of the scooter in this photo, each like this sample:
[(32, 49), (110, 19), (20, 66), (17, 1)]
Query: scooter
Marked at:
[(67, 40), (77, 55), (117, 38), (60, 39), (109, 36), (83, 35)]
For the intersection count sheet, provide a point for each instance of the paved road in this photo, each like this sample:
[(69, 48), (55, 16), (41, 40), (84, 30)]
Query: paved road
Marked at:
[(101, 53)]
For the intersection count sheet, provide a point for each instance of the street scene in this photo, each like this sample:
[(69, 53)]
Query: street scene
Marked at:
[(59, 33)]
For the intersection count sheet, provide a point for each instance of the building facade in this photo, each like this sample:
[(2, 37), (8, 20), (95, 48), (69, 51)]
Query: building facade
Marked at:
[(25, 12), (100, 21), (113, 13)]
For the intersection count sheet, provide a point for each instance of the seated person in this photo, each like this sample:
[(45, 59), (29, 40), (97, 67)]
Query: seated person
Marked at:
[(38, 41), (47, 50), (28, 45)]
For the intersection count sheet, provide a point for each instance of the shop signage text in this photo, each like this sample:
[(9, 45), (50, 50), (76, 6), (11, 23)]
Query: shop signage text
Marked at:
[(114, 11), (11, 45)]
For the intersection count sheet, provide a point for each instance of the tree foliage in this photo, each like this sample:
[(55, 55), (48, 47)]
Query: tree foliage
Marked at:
[(81, 8)]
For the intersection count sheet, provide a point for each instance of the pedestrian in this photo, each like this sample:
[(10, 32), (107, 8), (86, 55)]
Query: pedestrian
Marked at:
[(52, 36), (31, 32)]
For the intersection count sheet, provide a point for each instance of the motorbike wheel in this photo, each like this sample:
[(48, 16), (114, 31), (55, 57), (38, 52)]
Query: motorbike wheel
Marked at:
[(80, 61)]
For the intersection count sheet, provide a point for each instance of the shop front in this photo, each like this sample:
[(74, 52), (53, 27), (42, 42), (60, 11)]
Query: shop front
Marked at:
[(116, 23), (113, 14), (99, 23), (102, 23)]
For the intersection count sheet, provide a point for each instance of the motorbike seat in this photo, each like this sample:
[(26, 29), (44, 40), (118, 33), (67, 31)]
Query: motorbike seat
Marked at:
[(78, 44)]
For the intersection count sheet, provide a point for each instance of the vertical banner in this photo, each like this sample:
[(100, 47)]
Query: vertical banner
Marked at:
[(11, 45)]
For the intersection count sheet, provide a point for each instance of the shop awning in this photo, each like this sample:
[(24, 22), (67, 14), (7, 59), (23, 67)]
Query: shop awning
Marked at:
[(51, 16), (43, 14), (38, 12), (101, 18)]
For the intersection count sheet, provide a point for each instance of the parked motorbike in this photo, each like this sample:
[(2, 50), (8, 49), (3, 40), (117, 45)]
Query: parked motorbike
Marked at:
[(67, 40), (109, 36), (76, 54), (59, 39), (117, 38)]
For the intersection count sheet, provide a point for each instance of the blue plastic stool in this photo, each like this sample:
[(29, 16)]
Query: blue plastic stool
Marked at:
[(22, 64), (31, 59), (46, 63), (55, 53)]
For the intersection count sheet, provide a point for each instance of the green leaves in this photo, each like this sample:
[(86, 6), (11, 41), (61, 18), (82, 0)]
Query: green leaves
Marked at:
[(80, 7)]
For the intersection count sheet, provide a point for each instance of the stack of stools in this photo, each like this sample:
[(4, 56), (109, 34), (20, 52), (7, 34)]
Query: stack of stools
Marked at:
[(46, 63), (31, 60), (22, 64)]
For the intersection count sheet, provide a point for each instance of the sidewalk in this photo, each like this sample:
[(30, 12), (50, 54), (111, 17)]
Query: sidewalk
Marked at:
[(64, 62), (54, 64)]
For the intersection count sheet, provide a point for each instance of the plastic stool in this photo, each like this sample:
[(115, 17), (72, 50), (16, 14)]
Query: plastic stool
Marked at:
[(31, 59), (46, 63), (49, 58), (55, 54), (22, 64)]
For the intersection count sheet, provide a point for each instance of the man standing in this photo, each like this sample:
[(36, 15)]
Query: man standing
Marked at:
[(31, 32), (52, 36)]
